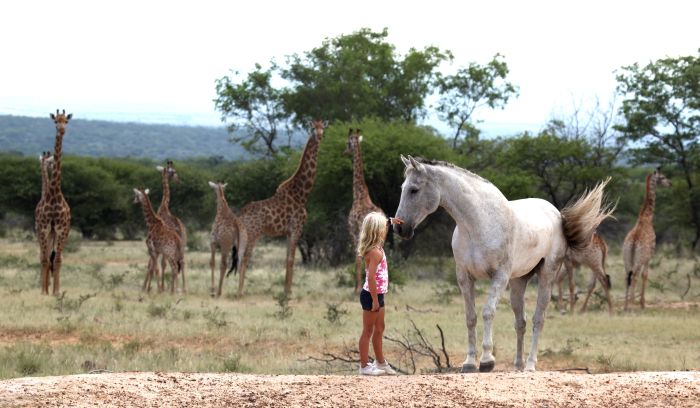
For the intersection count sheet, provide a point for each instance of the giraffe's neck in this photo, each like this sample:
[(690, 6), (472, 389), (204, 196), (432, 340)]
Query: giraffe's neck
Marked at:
[(222, 208), (302, 181), (647, 211), (148, 214), (44, 179), (55, 186), (360, 192), (165, 201)]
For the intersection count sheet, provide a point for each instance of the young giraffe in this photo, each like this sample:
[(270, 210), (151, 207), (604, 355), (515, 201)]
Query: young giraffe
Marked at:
[(282, 214), (640, 242), (593, 256), (53, 220), (161, 240), (361, 201), (224, 236), (170, 220), (45, 160)]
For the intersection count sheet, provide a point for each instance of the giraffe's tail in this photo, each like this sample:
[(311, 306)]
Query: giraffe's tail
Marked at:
[(234, 261), (51, 259)]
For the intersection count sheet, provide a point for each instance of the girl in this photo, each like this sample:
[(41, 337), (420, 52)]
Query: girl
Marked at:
[(374, 229)]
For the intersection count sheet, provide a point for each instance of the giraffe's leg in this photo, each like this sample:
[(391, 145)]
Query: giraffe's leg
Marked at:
[(212, 265), (222, 270), (517, 302), (645, 276), (163, 264), (292, 240), (182, 273), (44, 257), (571, 274), (589, 290), (245, 261), (62, 239), (146, 282)]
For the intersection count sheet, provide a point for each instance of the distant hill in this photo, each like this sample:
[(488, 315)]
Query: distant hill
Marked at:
[(95, 138)]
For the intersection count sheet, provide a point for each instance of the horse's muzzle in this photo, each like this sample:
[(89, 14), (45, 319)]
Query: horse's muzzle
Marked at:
[(405, 231)]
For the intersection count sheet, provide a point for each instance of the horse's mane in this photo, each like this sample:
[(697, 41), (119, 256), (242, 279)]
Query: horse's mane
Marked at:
[(464, 171)]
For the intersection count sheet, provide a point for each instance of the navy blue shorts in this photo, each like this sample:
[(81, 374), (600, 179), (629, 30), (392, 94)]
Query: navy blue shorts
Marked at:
[(366, 300)]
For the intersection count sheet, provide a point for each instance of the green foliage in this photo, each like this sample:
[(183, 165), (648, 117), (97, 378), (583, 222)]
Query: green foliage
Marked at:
[(661, 110), (472, 88), (284, 310)]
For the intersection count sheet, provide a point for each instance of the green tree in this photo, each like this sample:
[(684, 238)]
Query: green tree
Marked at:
[(661, 110), (254, 107), (472, 88), (360, 75)]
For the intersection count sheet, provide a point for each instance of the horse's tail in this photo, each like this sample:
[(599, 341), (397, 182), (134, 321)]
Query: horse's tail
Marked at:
[(581, 218)]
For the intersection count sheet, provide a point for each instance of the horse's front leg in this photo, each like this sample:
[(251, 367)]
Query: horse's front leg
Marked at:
[(499, 280), (466, 285), (544, 291)]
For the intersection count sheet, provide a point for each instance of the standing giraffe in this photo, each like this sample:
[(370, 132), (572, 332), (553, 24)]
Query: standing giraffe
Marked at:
[(282, 214), (45, 160), (53, 219), (640, 242), (361, 201), (170, 220), (224, 236), (161, 240), (593, 256)]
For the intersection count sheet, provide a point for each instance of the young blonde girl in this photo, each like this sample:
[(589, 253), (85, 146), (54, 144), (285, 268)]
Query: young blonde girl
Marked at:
[(370, 247)]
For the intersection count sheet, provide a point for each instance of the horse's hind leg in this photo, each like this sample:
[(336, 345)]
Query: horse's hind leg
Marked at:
[(498, 283), (544, 291), (466, 285), (517, 302)]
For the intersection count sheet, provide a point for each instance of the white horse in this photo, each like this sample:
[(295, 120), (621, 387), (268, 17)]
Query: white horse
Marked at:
[(499, 240)]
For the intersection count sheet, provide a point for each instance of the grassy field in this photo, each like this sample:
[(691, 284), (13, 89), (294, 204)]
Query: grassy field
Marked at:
[(103, 321)]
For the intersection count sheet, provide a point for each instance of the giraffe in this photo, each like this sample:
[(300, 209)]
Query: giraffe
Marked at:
[(224, 236), (361, 201), (161, 240), (282, 214), (640, 243), (53, 219), (170, 220), (593, 256), (45, 160)]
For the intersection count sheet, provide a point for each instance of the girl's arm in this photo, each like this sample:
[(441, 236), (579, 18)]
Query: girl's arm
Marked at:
[(373, 258)]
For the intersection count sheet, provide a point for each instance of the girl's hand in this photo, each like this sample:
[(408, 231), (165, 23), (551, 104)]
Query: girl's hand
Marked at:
[(375, 305), (395, 221)]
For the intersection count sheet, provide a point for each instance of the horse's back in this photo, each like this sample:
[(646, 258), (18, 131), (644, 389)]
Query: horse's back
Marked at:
[(537, 232)]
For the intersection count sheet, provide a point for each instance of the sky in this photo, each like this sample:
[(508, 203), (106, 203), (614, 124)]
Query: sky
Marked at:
[(157, 61)]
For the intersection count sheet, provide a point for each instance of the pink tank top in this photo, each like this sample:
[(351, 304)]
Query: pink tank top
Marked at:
[(382, 276)]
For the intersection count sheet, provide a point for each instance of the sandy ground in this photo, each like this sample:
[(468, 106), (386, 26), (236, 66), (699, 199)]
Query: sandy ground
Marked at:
[(499, 389)]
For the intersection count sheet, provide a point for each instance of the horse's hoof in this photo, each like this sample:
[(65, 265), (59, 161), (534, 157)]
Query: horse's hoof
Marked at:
[(487, 366), (468, 368)]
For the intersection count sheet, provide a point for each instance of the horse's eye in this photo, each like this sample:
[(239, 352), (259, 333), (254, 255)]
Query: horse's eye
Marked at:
[(413, 190)]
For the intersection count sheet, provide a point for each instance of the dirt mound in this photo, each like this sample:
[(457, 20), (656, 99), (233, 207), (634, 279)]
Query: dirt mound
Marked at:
[(550, 389)]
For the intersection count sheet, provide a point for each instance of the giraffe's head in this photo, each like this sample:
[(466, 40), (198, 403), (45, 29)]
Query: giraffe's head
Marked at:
[(61, 120), (45, 158), (354, 140), (318, 126), (169, 170), (660, 178), (140, 195), (218, 188)]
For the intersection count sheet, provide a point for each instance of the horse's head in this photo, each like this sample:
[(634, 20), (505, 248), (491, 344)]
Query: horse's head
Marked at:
[(420, 197)]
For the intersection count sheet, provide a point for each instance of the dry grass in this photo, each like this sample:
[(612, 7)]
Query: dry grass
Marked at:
[(104, 321)]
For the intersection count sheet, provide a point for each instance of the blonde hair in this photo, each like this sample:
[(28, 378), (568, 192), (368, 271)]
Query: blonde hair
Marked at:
[(371, 233)]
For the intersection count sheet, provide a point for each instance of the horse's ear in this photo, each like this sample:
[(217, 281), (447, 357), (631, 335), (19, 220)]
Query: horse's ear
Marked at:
[(224, 185), (146, 191), (359, 139), (405, 161), (349, 131), (160, 168), (325, 124), (212, 184), (415, 164)]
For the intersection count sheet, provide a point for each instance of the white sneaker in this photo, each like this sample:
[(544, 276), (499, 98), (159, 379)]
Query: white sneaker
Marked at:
[(370, 369), (385, 367)]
